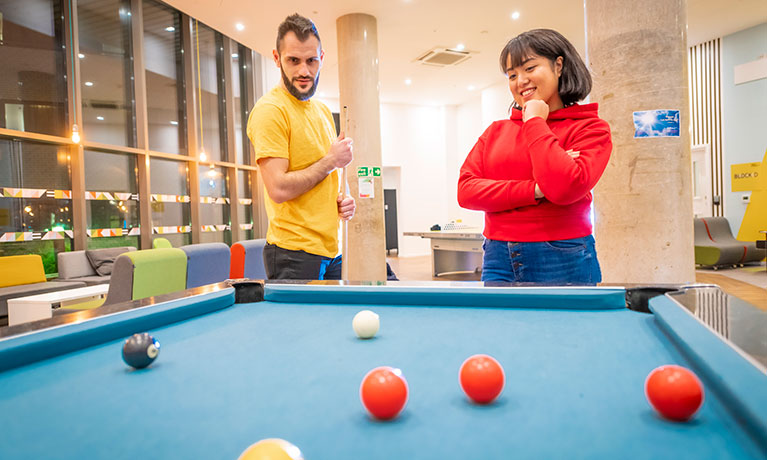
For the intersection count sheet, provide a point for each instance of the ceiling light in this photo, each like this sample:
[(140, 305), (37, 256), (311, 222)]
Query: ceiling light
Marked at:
[(170, 29), (408, 81), (88, 83), (239, 26), (471, 88), (515, 15), (174, 122), (81, 55), (235, 55), (100, 118), (459, 47)]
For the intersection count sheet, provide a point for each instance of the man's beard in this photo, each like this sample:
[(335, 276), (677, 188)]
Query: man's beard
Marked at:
[(301, 96)]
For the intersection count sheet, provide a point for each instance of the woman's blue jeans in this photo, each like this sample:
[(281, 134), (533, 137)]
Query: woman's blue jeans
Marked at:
[(548, 262)]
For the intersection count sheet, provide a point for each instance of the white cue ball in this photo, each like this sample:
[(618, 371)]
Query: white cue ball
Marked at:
[(365, 324)]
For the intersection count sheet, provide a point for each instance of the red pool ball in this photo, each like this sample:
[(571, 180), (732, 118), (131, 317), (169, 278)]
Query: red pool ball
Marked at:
[(674, 391), (384, 392), (481, 378)]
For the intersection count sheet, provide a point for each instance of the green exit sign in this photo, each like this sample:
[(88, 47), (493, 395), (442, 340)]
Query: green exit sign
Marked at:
[(362, 171), (376, 171)]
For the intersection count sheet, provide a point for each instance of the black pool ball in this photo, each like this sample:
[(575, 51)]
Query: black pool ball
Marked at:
[(140, 350)]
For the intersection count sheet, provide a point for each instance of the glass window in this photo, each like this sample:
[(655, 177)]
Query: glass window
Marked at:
[(245, 203), (35, 200), (111, 188), (106, 73), (240, 91), (171, 210), (33, 87), (214, 205), (164, 67), (209, 90)]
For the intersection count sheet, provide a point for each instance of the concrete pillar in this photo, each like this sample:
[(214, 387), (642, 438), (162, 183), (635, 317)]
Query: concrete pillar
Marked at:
[(637, 53), (364, 252)]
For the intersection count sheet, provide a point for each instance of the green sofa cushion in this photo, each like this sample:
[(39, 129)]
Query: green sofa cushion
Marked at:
[(158, 271)]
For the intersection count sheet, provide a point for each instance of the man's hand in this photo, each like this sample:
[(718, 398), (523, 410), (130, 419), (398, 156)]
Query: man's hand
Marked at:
[(340, 153), (346, 207), (535, 108)]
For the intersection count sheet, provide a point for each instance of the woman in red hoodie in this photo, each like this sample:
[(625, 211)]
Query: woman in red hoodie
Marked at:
[(532, 174)]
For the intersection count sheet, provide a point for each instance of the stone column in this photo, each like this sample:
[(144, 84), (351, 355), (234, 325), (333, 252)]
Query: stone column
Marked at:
[(364, 253), (637, 53)]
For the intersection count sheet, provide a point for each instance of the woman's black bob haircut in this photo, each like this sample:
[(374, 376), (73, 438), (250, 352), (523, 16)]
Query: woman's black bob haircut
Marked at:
[(575, 80)]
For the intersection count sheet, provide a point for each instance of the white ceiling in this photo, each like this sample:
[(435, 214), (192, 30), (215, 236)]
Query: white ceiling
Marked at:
[(409, 28)]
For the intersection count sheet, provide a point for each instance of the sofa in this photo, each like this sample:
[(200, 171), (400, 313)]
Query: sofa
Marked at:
[(147, 273), (206, 263), (716, 247), (247, 260), (91, 266), (23, 276)]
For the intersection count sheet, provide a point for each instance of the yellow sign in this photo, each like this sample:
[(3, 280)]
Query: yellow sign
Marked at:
[(746, 177), (755, 218)]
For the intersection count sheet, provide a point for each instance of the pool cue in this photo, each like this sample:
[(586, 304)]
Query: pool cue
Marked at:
[(342, 192)]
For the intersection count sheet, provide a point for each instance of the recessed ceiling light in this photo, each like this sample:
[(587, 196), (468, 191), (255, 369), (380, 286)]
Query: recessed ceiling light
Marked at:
[(170, 29), (100, 118), (88, 83), (239, 26), (174, 122), (408, 81), (470, 88), (235, 55), (515, 15), (459, 47), (81, 55)]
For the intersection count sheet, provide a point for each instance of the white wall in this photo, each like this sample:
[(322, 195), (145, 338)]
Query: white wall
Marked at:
[(744, 118), (465, 129), (495, 103), (413, 137)]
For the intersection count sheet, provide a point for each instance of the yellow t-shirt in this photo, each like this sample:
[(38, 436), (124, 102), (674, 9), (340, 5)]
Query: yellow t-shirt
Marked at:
[(281, 126)]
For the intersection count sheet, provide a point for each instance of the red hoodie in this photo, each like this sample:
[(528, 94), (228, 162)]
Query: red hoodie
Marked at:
[(500, 173)]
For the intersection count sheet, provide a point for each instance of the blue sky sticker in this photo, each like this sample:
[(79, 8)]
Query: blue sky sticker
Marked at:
[(656, 123)]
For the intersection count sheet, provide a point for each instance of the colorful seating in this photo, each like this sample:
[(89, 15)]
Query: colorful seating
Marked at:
[(22, 276), (93, 266), (248, 260), (161, 242), (715, 246), (206, 263), (147, 273)]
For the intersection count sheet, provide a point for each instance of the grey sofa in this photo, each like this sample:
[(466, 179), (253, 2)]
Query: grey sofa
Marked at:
[(23, 276), (716, 247), (93, 266)]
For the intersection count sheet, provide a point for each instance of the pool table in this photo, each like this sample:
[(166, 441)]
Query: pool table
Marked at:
[(239, 364)]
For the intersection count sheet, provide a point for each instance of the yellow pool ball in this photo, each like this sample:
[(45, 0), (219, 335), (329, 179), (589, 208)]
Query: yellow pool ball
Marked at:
[(272, 449)]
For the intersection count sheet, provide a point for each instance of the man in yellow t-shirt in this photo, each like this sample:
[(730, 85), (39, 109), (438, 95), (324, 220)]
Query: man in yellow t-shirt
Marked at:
[(298, 153)]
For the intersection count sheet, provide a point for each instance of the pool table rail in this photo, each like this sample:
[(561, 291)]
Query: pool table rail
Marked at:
[(739, 380)]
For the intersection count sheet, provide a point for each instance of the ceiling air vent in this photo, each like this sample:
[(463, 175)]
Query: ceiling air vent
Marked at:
[(442, 57)]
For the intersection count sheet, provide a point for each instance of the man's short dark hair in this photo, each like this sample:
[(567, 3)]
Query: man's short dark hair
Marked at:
[(299, 25), (575, 80)]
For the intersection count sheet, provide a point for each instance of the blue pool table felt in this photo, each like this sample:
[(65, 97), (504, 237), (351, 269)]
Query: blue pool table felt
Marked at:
[(574, 389)]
